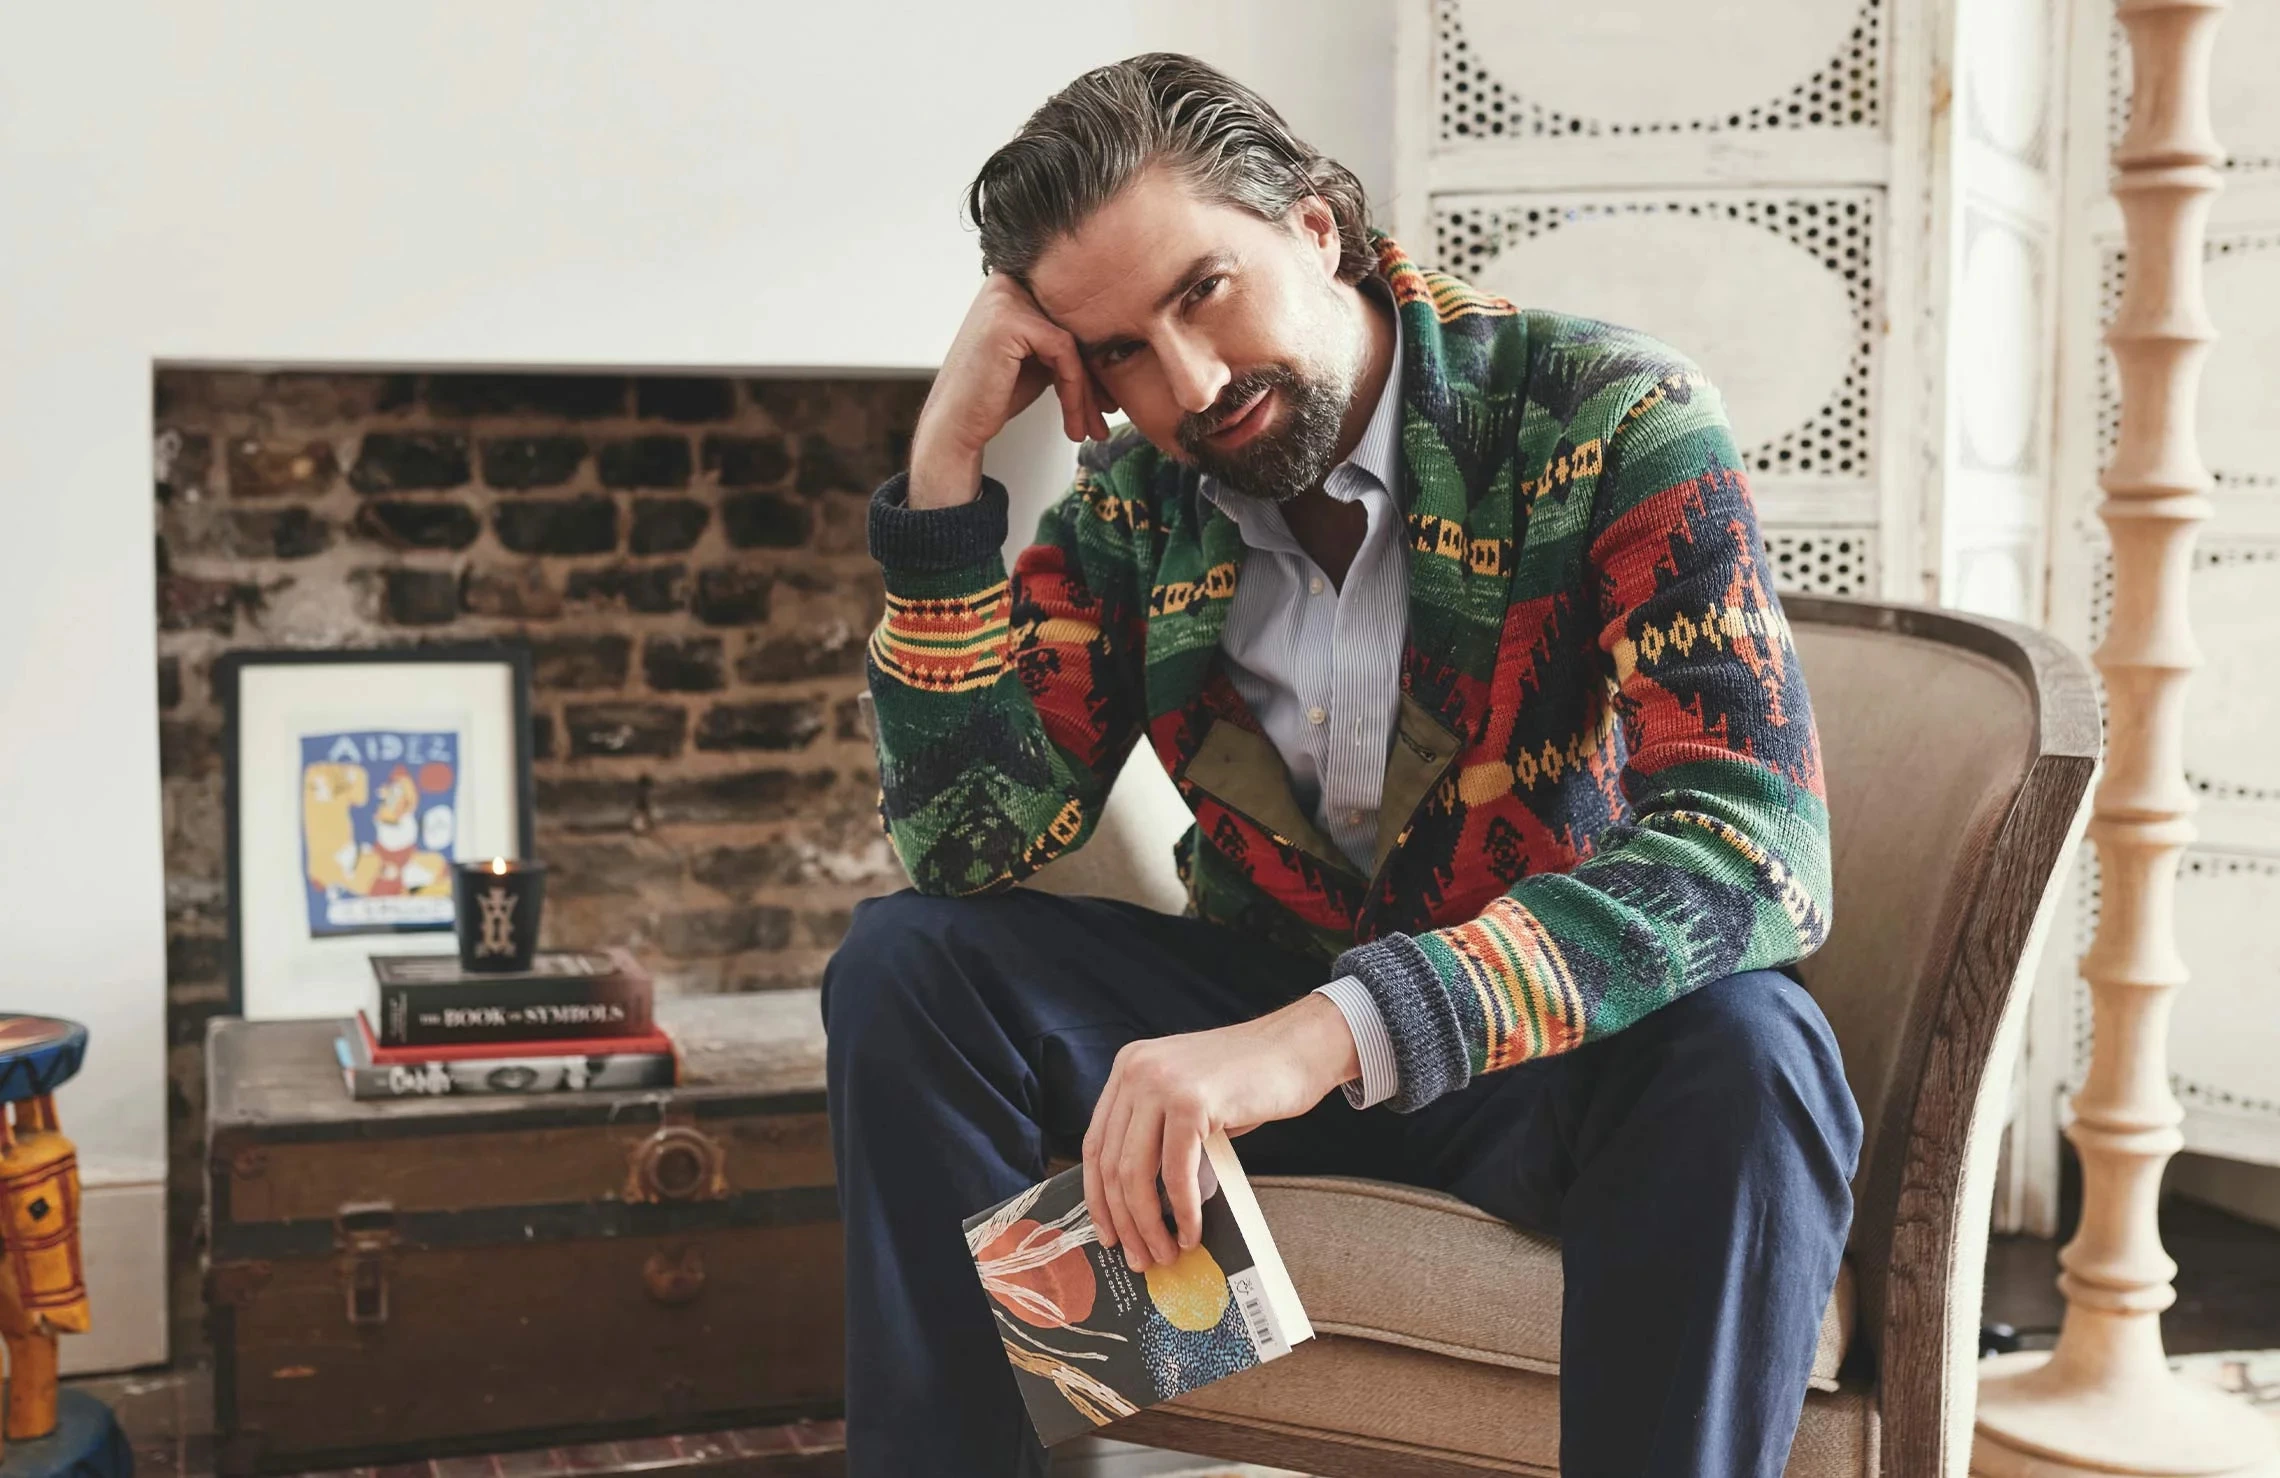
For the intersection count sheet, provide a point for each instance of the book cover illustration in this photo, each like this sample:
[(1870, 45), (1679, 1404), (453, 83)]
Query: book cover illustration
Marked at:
[(1090, 1340), (367, 1074), (379, 809)]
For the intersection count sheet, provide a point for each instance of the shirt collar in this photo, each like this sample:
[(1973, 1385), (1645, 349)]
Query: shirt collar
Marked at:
[(1377, 454)]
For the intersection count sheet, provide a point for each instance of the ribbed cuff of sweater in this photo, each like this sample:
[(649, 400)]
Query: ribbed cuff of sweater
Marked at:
[(1429, 1053), (931, 539)]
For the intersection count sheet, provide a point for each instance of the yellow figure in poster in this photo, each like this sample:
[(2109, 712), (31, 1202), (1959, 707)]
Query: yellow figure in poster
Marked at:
[(328, 794)]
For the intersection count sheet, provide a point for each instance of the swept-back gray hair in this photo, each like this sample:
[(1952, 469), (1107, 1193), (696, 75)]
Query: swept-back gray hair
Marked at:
[(1093, 137)]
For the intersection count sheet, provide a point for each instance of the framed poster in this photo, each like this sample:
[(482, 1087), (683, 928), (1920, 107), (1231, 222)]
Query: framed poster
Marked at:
[(352, 780)]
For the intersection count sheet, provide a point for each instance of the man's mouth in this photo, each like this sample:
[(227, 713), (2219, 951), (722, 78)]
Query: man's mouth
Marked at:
[(1244, 425)]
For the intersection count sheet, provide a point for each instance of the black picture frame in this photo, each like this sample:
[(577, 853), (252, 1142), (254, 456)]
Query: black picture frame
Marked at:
[(512, 653)]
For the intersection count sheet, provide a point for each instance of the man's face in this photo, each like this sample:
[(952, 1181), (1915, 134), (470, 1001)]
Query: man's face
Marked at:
[(1227, 340)]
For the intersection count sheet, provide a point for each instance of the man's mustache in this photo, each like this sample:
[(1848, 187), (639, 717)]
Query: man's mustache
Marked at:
[(1232, 402)]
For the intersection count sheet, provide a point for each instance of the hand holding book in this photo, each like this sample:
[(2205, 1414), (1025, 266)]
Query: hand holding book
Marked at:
[(1090, 1340), (1166, 1096)]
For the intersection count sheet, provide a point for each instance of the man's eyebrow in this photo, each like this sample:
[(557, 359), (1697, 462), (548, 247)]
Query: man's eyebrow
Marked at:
[(1197, 270), (1202, 267)]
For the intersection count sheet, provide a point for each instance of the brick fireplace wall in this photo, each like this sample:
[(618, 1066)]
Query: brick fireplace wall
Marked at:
[(685, 556)]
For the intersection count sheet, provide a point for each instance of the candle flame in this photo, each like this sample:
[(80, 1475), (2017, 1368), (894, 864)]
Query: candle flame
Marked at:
[(499, 866)]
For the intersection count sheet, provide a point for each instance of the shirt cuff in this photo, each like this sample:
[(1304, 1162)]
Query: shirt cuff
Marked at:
[(1372, 1044)]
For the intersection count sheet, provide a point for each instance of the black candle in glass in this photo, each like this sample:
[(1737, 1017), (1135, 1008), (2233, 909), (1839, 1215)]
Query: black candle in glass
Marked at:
[(498, 904)]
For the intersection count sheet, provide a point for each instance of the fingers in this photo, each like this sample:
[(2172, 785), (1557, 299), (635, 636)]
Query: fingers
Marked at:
[(1183, 1147), (1096, 1189), (1081, 416), (1076, 399), (1121, 1213), (1101, 408), (1007, 333), (1143, 1158), (1149, 1123)]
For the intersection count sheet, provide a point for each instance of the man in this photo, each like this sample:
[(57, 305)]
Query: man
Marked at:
[(1450, 623)]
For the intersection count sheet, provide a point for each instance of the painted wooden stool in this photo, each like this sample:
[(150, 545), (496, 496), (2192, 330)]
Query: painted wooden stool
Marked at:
[(43, 1291)]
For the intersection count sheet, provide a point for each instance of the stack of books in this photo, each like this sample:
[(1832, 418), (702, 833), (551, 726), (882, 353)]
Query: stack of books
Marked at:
[(577, 1019)]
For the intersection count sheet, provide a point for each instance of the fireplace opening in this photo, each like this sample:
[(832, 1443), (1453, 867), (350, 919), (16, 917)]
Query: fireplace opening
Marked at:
[(683, 554)]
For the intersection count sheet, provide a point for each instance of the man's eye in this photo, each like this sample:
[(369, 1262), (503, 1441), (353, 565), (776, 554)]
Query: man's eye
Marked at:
[(1115, 354), (1203, 289)]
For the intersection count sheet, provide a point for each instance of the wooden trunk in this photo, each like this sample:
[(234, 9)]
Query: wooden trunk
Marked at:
[(394, 1279)]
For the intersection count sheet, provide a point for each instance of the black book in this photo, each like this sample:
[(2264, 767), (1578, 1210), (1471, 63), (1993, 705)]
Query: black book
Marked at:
[(431, 1001)]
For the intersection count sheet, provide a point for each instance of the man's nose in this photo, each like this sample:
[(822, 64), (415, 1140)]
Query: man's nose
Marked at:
[(1197, 377)]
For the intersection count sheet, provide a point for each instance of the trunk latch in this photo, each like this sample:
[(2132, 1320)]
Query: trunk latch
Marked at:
[(365, 1234)]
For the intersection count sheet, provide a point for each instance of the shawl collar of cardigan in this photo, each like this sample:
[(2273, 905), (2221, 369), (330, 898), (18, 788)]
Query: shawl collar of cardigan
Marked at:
[(1462, 393)]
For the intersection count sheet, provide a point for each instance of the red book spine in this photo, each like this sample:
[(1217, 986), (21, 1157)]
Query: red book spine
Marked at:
[(652, 1041)]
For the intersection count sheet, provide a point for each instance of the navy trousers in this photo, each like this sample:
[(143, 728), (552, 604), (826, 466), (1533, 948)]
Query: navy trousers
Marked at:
[(1695, 1167)]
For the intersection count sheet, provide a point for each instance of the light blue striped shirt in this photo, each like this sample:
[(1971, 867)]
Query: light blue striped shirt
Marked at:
[(1320, 667)]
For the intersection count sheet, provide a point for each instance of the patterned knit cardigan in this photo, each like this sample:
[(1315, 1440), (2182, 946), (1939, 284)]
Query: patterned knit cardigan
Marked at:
[(1604, 788)]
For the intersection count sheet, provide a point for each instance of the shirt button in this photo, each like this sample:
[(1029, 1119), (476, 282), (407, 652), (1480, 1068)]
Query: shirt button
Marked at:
[(1314, 585), (1353, 818), (1315, 715)]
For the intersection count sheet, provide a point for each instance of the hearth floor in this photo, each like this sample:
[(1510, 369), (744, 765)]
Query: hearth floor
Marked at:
[(168, 1418)]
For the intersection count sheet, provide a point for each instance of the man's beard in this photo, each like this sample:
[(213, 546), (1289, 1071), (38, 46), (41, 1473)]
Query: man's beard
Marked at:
[(1281, 464)]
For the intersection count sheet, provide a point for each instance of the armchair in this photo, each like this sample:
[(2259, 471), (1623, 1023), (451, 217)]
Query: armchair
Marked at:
[(1959, 753)]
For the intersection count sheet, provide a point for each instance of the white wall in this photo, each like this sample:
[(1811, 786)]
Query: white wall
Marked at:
[(426, 182)]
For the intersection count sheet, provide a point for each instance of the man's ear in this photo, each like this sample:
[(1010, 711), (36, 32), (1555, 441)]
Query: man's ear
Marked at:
[(1315, 226)]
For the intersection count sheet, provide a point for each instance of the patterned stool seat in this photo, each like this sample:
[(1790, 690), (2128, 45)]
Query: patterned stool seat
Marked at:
[(37, 1054)]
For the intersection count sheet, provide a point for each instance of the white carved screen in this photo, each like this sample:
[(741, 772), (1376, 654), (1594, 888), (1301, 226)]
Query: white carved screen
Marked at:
[(2225, 1029), (1719, 177), (1868, 267), (1990, 510), (2004, 178)]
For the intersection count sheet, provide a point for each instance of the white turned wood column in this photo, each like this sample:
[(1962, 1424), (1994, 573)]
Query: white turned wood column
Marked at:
[(2104, 1401)]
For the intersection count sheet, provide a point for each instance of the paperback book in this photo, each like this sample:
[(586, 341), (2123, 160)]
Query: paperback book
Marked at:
[(430, 1001), (1092, 1341), (370, 1070)]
